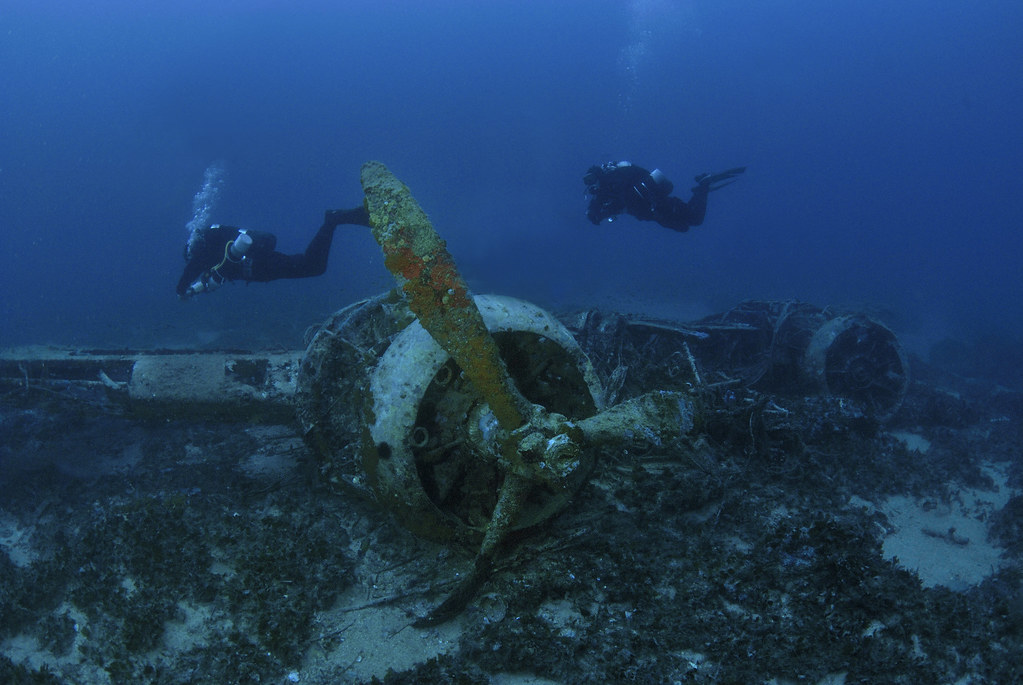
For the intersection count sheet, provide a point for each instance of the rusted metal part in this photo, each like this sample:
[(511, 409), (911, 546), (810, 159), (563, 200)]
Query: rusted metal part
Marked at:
[(659, 415), (452, 446), (440, 299), (437, 294), (535, 447)]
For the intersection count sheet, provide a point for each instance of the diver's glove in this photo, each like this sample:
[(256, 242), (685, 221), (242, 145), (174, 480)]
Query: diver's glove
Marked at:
[(709, 182), (357, 217)]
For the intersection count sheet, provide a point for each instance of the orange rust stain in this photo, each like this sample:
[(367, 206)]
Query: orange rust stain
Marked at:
[(405, 262)]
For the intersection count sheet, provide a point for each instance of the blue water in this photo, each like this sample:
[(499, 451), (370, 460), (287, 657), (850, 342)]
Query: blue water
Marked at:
[(883, 143)]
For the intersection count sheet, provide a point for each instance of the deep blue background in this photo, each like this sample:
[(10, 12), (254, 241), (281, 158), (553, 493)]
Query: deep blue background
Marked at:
[(883, 141)]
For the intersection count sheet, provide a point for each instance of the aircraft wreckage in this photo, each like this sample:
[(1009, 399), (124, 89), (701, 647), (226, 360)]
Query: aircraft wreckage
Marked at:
[(468, 417)]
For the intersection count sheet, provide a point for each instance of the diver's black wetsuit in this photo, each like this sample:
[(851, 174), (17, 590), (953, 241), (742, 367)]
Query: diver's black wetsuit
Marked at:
[(620, 187), (209, 260)]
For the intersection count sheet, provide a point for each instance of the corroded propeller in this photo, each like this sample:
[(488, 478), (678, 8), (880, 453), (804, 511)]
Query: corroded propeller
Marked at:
[(535, 446), (439, 297)]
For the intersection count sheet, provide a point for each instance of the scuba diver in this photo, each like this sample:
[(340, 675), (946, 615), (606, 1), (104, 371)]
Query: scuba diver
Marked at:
[(621, 187), (225, 253)]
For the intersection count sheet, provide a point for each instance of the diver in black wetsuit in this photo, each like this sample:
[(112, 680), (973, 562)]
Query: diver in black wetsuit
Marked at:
[(225, 253), (620, 187)]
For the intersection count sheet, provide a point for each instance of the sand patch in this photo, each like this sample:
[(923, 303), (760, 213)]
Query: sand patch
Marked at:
[(277, 456), (15, 541), (378, 638), (189, 630), (947, 543), (912, 441)]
